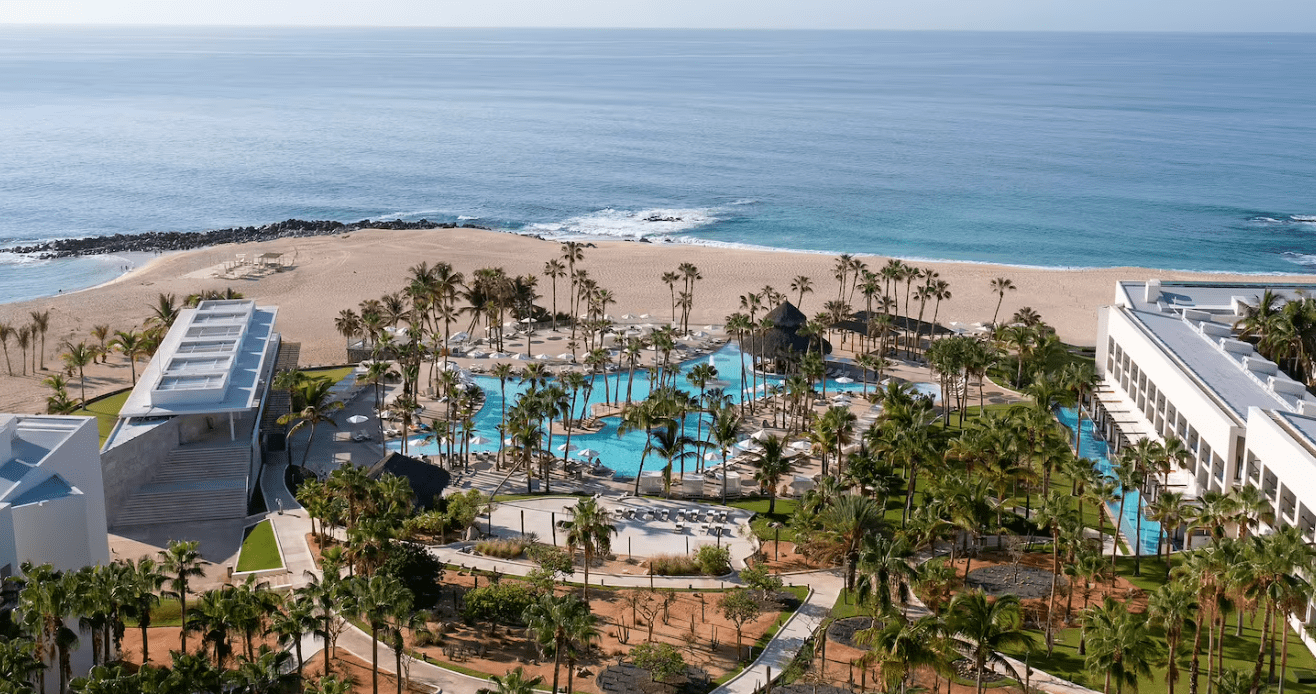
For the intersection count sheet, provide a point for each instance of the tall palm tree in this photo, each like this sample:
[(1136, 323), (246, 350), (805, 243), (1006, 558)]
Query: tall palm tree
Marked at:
[(983, 627), (23, 336), (551, 621), (133, 345), (374, 600), (1000, 286), (164, 312), (1167, 510), (295, 620), (145, 581), (886, 569), (771, 464), (801, 285), (317, 410), (1171, 607), (1120, 645), (554, 270), (847, 521), (591, 531), (79, 357), (723, 431), (40, 326), (670, 444), (181, 561), (1054, 513), (6, 332)]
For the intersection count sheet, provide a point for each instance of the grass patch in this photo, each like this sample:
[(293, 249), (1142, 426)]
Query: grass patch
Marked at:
[(1240, 651), (166, 614), (106, 412), (334, 374), (259, 549), (800, 592), (762, 519)]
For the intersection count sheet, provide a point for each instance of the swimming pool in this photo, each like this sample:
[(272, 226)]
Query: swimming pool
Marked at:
[(1095, 449), (621, 453)]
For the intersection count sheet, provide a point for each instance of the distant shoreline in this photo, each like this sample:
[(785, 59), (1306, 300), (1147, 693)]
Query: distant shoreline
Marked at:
[(166, 241)]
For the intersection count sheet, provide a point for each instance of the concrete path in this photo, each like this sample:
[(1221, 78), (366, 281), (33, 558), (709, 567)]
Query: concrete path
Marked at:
[(825, 588), (291, 526)]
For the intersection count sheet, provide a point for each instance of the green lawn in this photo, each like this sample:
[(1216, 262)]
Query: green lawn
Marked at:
[(334, 374), (166, 614), (106, 412), (259, 550), (762, 519), (1240, 652)]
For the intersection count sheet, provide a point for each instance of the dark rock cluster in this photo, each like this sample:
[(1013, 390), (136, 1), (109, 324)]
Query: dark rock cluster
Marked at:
[(154, 241), (1028, 583)]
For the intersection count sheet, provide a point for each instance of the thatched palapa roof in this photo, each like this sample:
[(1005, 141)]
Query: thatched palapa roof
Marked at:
[(427, 481), (782, 340)]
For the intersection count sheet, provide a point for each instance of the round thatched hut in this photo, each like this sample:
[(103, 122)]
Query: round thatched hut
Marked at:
[(782, 345)]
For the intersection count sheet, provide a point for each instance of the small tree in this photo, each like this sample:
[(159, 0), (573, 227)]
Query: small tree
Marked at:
[(758, 578), (501, 603), (662, 660), (739, 608), (714, 560), (647, 603)]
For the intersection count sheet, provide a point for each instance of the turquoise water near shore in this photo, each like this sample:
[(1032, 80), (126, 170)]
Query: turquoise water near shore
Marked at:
[(1060, 150)]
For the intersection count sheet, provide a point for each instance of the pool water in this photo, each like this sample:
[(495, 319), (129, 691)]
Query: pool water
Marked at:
[(1094, 448), (621, 453)]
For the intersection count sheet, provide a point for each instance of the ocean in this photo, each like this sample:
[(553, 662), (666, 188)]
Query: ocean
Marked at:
[(1062, 150)]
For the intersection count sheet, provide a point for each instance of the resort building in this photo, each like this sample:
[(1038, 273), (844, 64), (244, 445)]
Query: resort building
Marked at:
[(1172, 364), (52, 510), (187, 446)]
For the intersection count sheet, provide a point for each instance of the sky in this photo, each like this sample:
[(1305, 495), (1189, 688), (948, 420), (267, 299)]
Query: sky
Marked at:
[(986, 15)]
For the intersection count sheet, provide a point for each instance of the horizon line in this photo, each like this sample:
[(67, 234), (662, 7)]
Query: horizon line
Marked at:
[(164, 25)]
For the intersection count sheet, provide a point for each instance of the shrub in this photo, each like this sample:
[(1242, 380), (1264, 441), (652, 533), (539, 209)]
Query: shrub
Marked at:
[(673, 565), (500, 603), (714, 560), (418, 571), (662, 660), (503, 549)]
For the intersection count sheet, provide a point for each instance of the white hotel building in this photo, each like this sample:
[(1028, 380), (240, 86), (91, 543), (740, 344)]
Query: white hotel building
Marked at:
[(1170, 364)]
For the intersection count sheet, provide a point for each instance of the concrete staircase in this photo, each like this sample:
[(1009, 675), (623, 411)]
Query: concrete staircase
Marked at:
[(194, 484)]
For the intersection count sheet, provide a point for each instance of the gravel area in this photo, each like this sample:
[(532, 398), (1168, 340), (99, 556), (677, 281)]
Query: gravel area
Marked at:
[(843, 631), (1028, 584)]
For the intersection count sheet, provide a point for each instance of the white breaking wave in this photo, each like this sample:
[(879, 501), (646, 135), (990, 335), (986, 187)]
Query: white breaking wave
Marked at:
[(404, 215), (1304, 259), (466, 217), (1303, 217), (626, 224)]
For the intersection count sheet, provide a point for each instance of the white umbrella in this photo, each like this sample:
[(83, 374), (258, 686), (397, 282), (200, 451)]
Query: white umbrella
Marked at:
[(509, 441), (567, 356), (478, 440), (567, 447), (644, 315), (478, 354), (712, 455), (528, 319), (845, 379), (587, 453), (460, 337), (357, 419), (520, 357), (747, 444), (760, 435), (498, 355), (542, 357), (627, 316), (700, 333), (709, 327)]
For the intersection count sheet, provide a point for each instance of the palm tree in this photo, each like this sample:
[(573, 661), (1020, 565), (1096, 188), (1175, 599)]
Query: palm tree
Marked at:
[(847, 521), (315, 393), (6, 332), (772, 464), (23, 336), (1167, 510), (554, 270), (164, 312), (591, 531), (551, 621), (1054, 513), (145, 579), (182, 562), (295, 620), (79, 357), (40, 326), (1171, 607), (515, 682), (1120, 645), (887, 573), (983, 627), (668, 442), (374, 600), (133, 345), (801, 285), (1000, 286), (723, 430)]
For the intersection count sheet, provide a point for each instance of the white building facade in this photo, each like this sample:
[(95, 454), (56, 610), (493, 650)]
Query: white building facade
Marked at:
[(1171, 364), (52, 507)]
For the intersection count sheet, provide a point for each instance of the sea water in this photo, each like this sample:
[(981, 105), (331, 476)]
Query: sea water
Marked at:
[(1064, 150)]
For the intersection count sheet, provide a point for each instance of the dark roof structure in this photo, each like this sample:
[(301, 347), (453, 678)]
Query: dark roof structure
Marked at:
[(427, 481), (782, 340)]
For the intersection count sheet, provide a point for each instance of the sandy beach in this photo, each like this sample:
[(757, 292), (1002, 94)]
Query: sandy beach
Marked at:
[(330, 273)]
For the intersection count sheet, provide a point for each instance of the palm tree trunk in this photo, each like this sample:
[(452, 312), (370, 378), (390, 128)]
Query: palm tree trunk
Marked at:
[(584, 589), (1261, 647), (557, 663), (1137, 538), (374, 659), (1284, 657), (1115, 544), (1194, 666)]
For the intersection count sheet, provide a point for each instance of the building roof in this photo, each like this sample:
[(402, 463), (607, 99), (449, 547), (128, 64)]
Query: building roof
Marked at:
[(209, 362), (1227, 370), (1218, 298), (25, 442), (427, 481)]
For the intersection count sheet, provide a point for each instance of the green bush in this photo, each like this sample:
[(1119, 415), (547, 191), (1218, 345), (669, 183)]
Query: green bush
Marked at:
[(417, 569), (714, 560), (500, 603), (503, 549), (673, 565)]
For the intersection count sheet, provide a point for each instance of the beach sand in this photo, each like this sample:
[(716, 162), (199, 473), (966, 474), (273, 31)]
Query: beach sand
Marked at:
[(331, 273)]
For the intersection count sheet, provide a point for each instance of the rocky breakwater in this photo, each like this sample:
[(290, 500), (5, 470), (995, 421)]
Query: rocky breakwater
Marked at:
[(156, 241)]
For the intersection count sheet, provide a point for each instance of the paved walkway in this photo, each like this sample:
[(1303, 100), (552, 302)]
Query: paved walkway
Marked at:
[(291, 526), (825, 588)]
